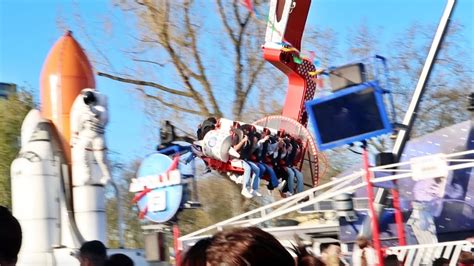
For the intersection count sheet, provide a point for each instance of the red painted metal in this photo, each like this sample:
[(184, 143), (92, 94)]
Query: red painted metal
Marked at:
[(296, 22), (373, 214), (223, 166), (398, 217), (176, 244), (301, 86)]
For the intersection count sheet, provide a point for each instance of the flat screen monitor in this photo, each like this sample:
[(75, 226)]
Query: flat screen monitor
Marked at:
[(346, 116)]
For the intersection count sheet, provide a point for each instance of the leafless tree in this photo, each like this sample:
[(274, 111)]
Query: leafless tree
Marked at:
[(216, 61)]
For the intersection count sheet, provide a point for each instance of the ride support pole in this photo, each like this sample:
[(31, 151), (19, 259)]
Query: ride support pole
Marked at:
[(398, 216), (373, 214), (177, 252)]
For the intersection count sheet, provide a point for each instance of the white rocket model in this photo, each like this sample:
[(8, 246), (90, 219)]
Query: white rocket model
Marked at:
[(36, 188), (59, 176)]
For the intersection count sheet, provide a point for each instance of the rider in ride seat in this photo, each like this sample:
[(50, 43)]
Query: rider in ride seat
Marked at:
[(293, 173), (240, 151), (267, 146)]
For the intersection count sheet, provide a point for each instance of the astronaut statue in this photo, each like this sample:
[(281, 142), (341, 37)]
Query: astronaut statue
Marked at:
[(90, 172), (89, 117)]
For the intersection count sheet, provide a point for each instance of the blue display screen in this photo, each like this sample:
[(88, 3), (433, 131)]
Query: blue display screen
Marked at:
[(349, 115)]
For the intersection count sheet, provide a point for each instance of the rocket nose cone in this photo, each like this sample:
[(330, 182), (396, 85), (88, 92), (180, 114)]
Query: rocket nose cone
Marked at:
[(66, 71)]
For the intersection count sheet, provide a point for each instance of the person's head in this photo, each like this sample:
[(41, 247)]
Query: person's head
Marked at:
[(247, 246), (212, 120), (266, 132), (247, 129), (196, 255), (89, 97), (466, 257), (330, 252), (391, 260), (362, 242), (305, 258), (236, 124), (10, 237), (92, 253), (333, 247), (258, 135), (119, 259)]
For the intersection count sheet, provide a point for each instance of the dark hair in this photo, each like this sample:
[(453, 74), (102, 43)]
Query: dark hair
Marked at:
[(119, 259), (391, 260), (10, 236), (212, 119), (281, 133), (325, 246), (258, 135), (95, 251), (196, 255), (247, 246), (304, 258)]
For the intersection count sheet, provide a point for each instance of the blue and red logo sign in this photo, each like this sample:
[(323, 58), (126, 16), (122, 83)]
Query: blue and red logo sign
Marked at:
[(158, 188)]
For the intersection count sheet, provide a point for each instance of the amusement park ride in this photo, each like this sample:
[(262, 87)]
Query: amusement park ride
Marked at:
[(59, 176)]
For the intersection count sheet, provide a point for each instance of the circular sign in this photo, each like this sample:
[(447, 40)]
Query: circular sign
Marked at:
[(158, 188)]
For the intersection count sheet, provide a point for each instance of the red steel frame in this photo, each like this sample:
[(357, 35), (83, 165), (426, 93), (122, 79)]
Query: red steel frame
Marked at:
[(372, 212), (301, 86)]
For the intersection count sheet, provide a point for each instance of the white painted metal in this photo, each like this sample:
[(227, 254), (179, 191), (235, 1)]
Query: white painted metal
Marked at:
[(216, 144), (89, 211), (35, 190), (29, 125), (427, 253), (276, 27), (409, 115)]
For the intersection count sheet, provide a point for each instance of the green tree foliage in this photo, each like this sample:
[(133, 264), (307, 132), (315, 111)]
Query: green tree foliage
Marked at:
[(131, 225), (12, 112), (220, 199)]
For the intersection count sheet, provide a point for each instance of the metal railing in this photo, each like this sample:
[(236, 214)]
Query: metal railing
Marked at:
[(427, 253), (323, 193)]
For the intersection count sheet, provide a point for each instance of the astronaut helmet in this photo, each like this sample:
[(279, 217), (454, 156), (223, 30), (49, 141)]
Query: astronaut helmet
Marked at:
[(89, 97)]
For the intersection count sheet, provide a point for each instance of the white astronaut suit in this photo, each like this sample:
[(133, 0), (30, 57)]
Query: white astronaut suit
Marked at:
[(89, 116)]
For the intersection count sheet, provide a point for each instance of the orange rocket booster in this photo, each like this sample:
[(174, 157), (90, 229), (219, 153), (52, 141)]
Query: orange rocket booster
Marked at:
[(66, 71)]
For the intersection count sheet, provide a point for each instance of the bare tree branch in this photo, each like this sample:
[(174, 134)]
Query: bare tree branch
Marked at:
[(202, 74), (145, 83), (226, 22), (170, 105), (180, 66), (148, 61), (253, 77)]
